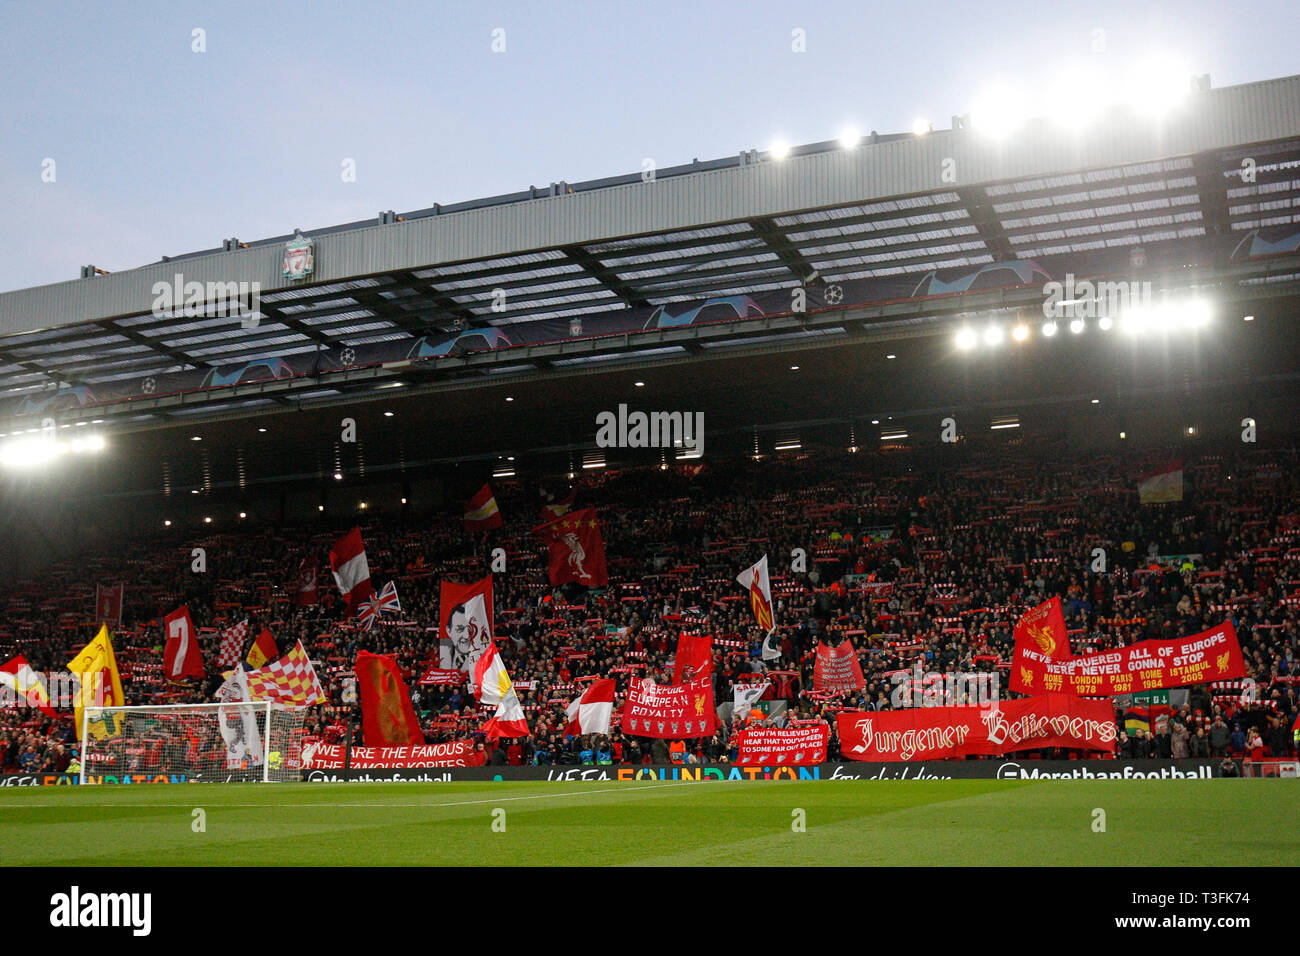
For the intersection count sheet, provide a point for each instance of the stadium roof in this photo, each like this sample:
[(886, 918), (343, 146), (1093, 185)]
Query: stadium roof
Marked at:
[(893, 206)]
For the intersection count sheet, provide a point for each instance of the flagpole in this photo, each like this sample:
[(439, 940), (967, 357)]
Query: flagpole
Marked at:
[(347, 749), (266, 746), (85, 734)]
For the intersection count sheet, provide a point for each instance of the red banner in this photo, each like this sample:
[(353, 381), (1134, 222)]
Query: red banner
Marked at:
[(108, 604), (304, 587), (694, 658), (1043, 662), (437, 676), (765, 746), (669, 711), (939, 733), (837, 670), (459, 753)]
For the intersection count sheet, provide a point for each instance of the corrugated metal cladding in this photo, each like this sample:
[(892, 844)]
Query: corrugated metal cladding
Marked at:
[(1252, 113)]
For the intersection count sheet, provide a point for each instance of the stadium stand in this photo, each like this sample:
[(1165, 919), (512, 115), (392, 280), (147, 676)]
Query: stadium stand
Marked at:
[(912, 556)]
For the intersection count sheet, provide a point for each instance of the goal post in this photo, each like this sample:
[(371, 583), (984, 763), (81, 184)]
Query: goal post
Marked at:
[(245, 741)]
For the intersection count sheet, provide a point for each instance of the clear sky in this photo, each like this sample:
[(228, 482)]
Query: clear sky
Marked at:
[(159, 149)]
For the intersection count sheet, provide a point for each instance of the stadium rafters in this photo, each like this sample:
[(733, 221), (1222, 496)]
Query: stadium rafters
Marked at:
[(457, 291)]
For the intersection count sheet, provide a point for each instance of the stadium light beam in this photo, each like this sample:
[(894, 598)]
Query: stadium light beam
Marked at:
[(1159, 85), (999, 112)]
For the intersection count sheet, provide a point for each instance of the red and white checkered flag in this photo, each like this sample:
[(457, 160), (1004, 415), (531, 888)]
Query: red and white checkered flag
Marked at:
[(290, 680), (232, 643)]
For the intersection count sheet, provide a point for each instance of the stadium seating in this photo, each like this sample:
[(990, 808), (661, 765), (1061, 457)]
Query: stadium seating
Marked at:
[(908, 554)]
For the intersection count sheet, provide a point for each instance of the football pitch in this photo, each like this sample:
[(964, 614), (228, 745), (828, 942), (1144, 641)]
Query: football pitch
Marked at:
[(653, 823)]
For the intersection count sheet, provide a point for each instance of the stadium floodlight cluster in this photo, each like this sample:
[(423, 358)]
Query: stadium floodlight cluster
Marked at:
[(43, 448), (1187, 316), (1155, 86)]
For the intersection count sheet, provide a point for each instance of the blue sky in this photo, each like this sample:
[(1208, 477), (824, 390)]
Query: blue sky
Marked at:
[(162, 150)]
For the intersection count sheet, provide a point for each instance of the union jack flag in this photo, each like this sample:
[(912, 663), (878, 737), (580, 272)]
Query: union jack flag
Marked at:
[(385, 600), (232, 644)]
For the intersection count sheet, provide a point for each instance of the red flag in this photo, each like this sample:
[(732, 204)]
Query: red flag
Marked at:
[(232, 642), (304, 590), (493, 687), (27, 687), (1042, 630), (669, 711), (108, 604), (181, 655), (755, 578), (591, 713), (387, 717), (837, 670), (694, 658), (577, 550), (481, 513), (350, 569), (464, 624), (1163, 485), (263, 650)]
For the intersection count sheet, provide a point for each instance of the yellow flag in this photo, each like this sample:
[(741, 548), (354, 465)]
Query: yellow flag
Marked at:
[(101, 686)]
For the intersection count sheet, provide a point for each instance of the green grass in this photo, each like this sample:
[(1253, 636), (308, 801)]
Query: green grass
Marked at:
[(940, 823)]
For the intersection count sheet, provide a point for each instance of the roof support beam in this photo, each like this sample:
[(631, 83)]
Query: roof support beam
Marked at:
[(605, 276), (1213, 188), (133, 336), (776, 241), (985, 220)]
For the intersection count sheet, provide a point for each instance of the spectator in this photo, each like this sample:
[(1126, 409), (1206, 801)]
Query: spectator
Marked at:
[(1219, 737), (1178, 743), (1237, 742)]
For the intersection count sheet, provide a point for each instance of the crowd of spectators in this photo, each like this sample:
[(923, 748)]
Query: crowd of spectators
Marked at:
[(908, 556)]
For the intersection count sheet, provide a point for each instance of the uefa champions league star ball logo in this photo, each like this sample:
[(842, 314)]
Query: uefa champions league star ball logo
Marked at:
[(834, 294)]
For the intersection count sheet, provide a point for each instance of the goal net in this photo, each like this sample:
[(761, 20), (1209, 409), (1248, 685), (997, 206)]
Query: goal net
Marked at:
[(248, 741)]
